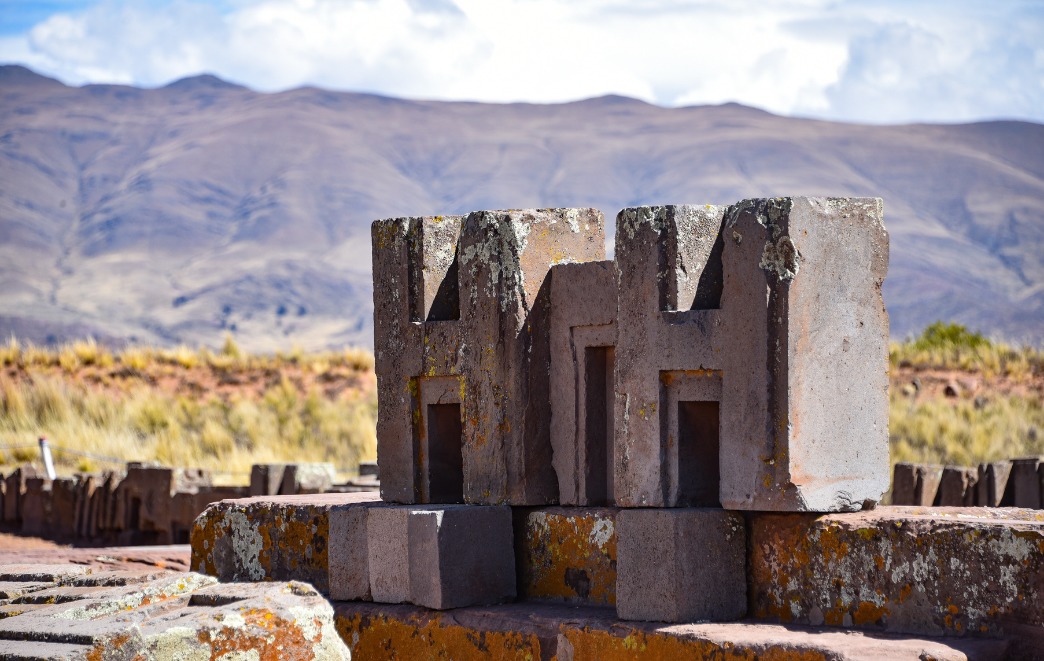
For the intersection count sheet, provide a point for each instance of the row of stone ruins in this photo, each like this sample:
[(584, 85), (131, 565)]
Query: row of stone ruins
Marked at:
[(1015, 483), (145, 504)]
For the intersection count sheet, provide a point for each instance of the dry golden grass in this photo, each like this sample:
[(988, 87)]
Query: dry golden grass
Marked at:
[(994, 410), (223, 411)]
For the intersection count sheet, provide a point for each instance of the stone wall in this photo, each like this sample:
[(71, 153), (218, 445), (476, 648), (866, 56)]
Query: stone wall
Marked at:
[(145, 504), (1013, 483)]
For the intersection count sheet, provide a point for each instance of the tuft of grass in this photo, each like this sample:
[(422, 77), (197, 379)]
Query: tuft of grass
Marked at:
[(952, 346)]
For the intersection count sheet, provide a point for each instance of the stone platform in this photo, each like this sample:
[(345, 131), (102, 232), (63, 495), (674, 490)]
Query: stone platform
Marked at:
[(891, 573)]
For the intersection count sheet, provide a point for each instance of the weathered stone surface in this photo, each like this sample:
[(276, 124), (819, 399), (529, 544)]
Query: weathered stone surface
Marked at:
[(771, 335), (583, 339), (451, 289), (174, 616), (143, 501), (460, 556), (41, 572), (956, 487), (268, 538), (265, 479), (62, 520), (349, 553), (14, 488), (416, 313), (546, 631), (680, 565), (388, 553), (1026, 482), (992, 485), (916, 484), (35, 505), (307, 478), (567, 554), (903, 569), (440, 556)]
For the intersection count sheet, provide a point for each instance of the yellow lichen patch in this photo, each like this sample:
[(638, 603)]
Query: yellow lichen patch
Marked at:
[(382, 637), (869, 613), (638, 645), (570, 556)]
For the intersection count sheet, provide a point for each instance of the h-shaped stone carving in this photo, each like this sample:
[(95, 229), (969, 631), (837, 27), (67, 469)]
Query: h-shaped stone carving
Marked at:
[(728, 356), (462, 355), (752, 353)]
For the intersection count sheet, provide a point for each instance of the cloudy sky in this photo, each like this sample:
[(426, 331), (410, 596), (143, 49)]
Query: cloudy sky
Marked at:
[(866, 61)]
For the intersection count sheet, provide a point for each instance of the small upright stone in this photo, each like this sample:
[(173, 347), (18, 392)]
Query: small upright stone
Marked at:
[(680, 565), (461, 556), (388, 553)]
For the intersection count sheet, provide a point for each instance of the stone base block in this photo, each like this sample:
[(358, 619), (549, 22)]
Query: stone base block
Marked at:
[(461, 556), (269, 538), (567, 554), (680, 565), (388, 554), (547, 631), (443, 556), (942, 570)]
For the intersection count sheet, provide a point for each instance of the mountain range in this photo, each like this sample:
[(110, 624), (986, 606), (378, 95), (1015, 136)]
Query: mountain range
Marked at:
[(184, 213)]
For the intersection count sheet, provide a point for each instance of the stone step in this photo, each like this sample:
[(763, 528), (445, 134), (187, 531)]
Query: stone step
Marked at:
[(173, 615), (569, 633)]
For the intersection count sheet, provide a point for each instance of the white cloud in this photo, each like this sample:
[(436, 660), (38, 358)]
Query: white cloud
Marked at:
[(941, 60)]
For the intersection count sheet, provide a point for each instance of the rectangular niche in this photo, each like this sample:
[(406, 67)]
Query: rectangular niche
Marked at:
[(690, 437), (599, 367), (445, 459), (438, 435), (699, 475)]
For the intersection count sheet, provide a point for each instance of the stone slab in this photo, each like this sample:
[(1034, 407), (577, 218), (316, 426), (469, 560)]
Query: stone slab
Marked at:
[(956, 487), (583, 331), (31, 650), (569, 633), (15, 589), (349, 574), (1026, 482), (916, 484), (388, 554), (680, 565), (460, 555), (41, 572), (953, 571), (567, 554), (992, 485), (180, 616), (269, 537), (265, 479)]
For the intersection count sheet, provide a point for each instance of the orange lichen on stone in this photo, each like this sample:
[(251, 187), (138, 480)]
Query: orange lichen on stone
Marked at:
[(269, 637), (639, 645), (918, 570), (869, 613), (570, 555), (379, 637)]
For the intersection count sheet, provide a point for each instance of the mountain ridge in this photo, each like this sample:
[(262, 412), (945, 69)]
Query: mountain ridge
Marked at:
[(180, 213)]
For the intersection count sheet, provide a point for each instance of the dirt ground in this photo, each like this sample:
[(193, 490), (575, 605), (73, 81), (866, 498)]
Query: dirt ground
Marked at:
[(24, 549)]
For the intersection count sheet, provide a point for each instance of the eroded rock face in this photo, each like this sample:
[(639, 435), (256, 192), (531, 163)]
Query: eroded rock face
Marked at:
[(939, 570), (269, 538), (73, 614)]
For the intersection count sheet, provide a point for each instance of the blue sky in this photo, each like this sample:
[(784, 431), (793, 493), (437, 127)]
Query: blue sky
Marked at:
[(867, 61)]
